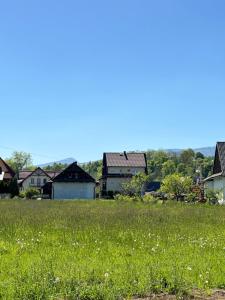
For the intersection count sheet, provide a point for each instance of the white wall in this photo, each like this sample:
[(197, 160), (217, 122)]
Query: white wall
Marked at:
[(27, 182), (218, 184), (73, 190), (125, 170), (115, 184)]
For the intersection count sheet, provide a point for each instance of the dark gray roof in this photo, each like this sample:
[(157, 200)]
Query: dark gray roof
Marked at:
[(219, 161), (73, 173), (125, 159)]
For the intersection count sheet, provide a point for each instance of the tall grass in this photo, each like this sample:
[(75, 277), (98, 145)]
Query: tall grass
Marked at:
[(106, 250)]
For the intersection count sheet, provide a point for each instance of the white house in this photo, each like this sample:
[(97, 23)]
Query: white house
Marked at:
[(118, 168), (73, 183), (216, 181), (36, 179)]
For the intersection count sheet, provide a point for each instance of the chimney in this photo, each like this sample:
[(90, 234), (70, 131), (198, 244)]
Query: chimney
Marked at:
[(125, 154)]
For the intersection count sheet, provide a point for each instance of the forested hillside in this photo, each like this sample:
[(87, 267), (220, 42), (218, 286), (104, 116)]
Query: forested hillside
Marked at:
[(162, 163)]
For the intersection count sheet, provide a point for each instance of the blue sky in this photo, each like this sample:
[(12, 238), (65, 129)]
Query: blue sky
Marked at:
[(78, 78)]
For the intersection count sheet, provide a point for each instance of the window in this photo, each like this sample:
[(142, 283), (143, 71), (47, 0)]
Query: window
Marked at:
[(38, 181), (44, 181), (0, 170), (32, 181)]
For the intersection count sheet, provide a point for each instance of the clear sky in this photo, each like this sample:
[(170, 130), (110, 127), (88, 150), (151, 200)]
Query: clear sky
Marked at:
[(78, 78)]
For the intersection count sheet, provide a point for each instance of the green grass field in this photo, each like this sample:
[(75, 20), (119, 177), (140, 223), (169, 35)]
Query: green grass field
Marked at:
[(108, 250)]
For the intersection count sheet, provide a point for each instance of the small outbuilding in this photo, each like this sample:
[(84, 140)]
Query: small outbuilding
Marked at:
[(73, 183)]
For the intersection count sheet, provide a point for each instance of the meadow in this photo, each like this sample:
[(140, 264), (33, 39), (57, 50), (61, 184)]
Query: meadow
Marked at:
[(109, 250)]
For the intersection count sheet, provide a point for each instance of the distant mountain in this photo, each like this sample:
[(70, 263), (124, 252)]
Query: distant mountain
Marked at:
[(67, 161), (207, 151)]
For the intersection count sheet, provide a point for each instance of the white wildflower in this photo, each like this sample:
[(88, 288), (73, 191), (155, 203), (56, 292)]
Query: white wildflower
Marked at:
[(57, 280)]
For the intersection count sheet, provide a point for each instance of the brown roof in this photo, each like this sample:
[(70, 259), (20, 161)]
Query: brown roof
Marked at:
[(53, 174), (125, 159), (9, 173), (25, 173)]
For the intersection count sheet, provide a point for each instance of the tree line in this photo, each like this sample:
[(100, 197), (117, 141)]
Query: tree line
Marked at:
[(160, 164)]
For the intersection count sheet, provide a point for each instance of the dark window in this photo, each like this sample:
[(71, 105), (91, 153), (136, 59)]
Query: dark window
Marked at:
[(44, 180)]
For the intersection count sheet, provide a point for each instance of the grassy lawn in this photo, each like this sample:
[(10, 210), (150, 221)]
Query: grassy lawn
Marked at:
[(108, 250)]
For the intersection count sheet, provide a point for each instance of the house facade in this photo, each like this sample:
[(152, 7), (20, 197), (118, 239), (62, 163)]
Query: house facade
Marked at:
[(216, 181), (73, 183), (35, 179), (119, 168)]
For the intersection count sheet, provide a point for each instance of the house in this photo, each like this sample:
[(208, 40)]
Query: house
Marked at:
[(36, 179), (72, 183), (118, 168), (6, 173), (216, 181), (8, 182)]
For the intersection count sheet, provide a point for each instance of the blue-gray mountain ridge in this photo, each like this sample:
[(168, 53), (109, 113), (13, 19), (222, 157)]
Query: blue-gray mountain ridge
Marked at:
[(207, 151)]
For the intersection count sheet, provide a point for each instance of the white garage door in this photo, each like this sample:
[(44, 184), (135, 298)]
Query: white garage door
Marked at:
[(62, 190)]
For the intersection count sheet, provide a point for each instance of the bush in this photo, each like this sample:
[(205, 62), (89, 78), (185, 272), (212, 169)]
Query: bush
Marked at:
[(177, 186), (31, 192), (149, 198), (22, 195), (126, 198), (191, 197), (213, 196)]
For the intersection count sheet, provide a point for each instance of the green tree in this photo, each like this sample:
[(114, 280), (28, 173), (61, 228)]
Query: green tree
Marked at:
[(168, 167), (199, 155), (56, 167), (19, 160), (135, 185), (13, 187), (176, 185), (155, 160), (94, 168), (187, 157)]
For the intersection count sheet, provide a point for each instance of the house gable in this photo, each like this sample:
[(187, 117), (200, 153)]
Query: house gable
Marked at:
[(5, 168), (37, 172), (217, 165), (219, 160), (73, 173)]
